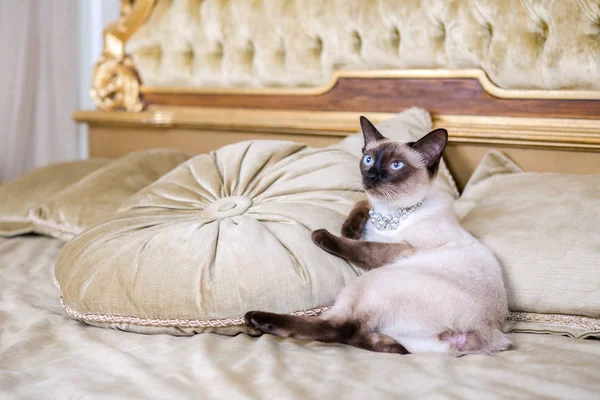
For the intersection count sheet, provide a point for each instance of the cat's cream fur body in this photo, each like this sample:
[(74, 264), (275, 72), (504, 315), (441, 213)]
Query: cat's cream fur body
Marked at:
[(453, 284), (430, 285)]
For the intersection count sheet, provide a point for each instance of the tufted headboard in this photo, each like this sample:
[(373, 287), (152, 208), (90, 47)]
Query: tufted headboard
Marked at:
[(519, 44), (519, 74)]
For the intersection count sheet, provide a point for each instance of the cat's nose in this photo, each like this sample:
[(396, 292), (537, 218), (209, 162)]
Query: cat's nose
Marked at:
[(371, 178)]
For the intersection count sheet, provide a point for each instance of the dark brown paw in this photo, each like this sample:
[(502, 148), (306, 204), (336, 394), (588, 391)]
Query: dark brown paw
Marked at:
[(258, 321), (353, 230), (394, 348), (380, 343), (325, 240), (354, 225)]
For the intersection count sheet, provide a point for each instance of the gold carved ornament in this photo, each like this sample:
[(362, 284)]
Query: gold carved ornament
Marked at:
[(116, 83)]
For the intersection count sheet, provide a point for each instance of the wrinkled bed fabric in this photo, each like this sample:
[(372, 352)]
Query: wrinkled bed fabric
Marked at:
[(45, 354)]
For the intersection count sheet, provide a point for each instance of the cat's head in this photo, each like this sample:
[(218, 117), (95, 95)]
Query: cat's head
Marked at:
[(397, 173)]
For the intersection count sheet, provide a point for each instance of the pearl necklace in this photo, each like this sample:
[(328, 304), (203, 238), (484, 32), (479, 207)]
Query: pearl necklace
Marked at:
[(391, 221)]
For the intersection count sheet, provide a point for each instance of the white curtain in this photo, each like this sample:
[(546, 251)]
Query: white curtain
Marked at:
[(38, 84)]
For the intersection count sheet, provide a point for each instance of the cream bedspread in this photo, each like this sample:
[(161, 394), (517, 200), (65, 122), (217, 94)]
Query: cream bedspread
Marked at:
[(46, 355)]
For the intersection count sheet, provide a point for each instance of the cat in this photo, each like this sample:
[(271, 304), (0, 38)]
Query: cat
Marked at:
[(430, 285)]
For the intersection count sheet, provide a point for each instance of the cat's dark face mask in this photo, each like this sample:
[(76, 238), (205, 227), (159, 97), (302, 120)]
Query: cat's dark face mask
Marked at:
[(394, 170)]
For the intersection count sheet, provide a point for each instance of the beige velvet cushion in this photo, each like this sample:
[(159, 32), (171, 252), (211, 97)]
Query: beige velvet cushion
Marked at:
[(17, 197), (408, 126), (545, 230), (98, 195), (221, 234)]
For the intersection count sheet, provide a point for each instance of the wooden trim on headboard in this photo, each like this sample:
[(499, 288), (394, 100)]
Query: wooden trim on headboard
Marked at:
[(478, 75), (567, 134), (455, 96)]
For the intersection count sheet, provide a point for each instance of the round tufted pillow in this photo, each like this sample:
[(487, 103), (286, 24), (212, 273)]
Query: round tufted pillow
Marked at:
[(221, 234)]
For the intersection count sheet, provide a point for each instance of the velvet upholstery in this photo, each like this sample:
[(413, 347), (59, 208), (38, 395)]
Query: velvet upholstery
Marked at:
[(221, 234), (543, 228), (18, 196), (518, 43), (98, 195)]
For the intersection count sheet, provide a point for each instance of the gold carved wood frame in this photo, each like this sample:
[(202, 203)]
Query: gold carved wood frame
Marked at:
[(116, 82)]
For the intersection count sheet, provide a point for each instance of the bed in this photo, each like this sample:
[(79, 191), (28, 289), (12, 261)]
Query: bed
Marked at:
[(521, 77), (45, 354)]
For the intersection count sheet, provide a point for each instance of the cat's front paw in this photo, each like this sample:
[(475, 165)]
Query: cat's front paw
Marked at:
[(353, 229), (325, 240), (354, 225)]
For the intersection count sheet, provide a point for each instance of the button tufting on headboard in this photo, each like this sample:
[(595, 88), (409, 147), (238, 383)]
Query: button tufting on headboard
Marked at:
[(530, 44)]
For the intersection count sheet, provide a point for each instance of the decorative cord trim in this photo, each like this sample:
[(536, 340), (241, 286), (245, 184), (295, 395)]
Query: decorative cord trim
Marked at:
[(180, 323), (571, 321)]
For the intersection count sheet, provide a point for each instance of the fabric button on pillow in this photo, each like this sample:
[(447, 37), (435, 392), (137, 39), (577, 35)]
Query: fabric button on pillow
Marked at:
[(221, 234)]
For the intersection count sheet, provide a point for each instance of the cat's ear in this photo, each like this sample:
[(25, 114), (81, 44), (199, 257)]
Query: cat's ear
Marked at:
[(370, 133), (431, 147)]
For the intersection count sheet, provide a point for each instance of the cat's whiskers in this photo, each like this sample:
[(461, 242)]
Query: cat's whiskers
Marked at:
[(354, 187), (389, 193), (397, 193)]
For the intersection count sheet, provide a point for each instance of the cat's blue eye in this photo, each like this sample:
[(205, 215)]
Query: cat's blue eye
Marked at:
[(396, 165), (368, 160)]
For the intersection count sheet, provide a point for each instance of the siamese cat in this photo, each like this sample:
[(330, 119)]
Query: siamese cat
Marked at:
[(430, 285)]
